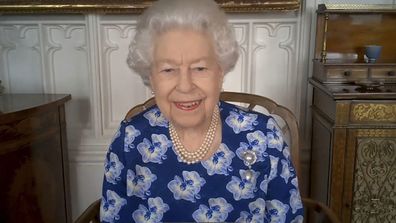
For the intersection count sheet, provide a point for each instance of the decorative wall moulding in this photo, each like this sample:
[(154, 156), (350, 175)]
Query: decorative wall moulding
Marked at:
[(355, 8), (133, 6)]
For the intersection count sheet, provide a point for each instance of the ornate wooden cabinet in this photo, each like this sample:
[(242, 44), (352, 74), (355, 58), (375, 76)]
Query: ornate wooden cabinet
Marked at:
[(353, 164), (34, 185)]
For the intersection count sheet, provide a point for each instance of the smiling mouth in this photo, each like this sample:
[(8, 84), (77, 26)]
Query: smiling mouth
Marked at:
[(188, 106)]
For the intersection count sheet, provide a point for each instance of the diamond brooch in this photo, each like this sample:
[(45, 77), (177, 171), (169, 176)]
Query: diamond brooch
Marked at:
[(249, 158)]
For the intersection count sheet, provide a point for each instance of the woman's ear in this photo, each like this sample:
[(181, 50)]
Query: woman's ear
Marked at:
[(221, 82), (151, 85), (151, 82)]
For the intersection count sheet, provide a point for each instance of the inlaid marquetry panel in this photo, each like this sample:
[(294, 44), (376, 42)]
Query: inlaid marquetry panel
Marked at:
[(376, 112), (375, 179)]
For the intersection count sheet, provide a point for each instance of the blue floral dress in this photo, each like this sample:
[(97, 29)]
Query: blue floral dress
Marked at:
[(144, 181)]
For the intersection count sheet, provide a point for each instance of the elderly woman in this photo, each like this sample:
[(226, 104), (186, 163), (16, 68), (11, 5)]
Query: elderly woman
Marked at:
[(192, 157)]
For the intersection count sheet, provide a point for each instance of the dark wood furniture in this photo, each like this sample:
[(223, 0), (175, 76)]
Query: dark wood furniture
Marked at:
[(34, 185), (353, 160), (250, 102)]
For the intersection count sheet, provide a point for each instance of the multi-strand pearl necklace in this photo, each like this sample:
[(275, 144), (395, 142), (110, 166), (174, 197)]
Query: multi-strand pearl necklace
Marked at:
[(199, 154)]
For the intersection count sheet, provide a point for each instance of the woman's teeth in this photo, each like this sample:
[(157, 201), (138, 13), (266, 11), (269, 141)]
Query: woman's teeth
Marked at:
[(188, 105)]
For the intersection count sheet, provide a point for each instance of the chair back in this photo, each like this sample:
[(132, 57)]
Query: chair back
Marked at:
[(139, 108)]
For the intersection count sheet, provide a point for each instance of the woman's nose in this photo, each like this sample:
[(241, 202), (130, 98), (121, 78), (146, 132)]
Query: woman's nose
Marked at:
[(185, 83)]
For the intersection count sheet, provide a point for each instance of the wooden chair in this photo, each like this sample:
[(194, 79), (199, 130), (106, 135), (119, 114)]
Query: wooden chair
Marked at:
[(250, 102)]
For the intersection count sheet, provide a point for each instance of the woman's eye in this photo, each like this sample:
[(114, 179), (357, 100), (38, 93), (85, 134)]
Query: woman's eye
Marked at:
[(167, 70), (200, 69)]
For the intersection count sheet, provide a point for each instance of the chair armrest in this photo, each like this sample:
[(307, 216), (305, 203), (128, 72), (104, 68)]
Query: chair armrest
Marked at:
[(91, 214), (320, 208)]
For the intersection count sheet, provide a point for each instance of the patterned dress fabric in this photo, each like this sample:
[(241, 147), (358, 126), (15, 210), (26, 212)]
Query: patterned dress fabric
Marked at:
[(144, 181)]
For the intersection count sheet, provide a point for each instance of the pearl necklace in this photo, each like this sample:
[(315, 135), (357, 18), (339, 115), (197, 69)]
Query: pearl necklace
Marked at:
[(199, 154)]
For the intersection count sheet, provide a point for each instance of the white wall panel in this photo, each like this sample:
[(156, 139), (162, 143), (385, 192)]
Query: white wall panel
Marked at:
[(86, 184), (67, 62), (272, 62), (21, 58), (121, 88), (238, 79)]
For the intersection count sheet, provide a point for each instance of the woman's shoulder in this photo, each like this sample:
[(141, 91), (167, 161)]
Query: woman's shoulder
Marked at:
[(150, 117), (232, 111), (136, 129), (143, 124), (241, 122)]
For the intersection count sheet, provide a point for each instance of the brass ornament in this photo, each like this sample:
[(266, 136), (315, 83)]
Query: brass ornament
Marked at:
[(377, 133), (359, 7), (134, 6), (373, 112)]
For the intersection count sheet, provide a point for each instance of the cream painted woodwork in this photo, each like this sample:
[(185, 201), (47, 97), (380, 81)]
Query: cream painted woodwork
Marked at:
[(85, 55)]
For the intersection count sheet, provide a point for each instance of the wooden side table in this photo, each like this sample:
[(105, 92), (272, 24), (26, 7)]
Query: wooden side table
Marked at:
[(33, 159)]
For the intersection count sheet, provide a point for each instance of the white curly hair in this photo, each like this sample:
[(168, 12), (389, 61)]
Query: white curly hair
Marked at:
[(199, 15)]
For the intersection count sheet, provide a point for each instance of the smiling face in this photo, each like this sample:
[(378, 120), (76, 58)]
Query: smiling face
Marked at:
[(186, 77)]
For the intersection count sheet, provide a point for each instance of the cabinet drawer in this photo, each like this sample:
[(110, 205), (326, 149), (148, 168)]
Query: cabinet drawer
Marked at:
[(19, 133), (386, 74), (347, 74)]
